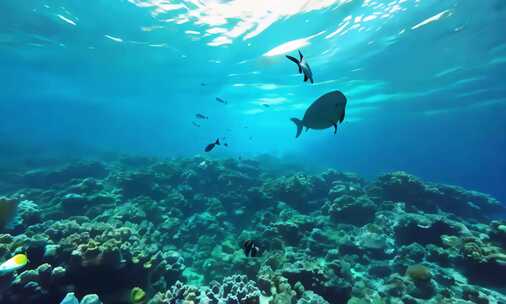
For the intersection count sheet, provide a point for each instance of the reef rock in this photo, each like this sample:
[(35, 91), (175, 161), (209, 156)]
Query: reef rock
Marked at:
[(142, 230), (45, 178), (402, 187)]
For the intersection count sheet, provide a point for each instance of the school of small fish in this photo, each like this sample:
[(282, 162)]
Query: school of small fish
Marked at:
[(326, 111)]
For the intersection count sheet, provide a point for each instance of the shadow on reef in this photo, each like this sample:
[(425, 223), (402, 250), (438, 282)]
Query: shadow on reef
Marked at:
[(144, 230)]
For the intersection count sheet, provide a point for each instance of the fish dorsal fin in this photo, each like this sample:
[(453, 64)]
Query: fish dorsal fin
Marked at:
[(301, 56), (247, 247)]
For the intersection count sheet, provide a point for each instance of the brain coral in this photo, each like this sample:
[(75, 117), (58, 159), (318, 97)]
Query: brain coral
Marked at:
[(418, 273)]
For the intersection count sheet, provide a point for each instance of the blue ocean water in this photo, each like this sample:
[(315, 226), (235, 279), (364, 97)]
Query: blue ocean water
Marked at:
[(424, 81)]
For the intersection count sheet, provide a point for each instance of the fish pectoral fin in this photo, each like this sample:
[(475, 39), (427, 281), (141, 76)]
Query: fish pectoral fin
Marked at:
[(301, 56), (292, 59), (335, 127), (342, 116), (305, 78), (296, 62)]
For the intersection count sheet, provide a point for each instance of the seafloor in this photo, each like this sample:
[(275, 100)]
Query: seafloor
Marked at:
[(142, 230)]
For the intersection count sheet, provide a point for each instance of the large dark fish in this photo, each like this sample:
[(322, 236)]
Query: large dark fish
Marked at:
[(251, 248), (325, 112), (211, 146), (223, 101), (303, 67)]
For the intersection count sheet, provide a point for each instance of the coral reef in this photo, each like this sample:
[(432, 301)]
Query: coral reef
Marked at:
[(142, 230), (402, 187)]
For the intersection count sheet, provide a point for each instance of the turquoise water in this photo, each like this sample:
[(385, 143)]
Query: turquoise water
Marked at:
[(112, 184), (424, 80)]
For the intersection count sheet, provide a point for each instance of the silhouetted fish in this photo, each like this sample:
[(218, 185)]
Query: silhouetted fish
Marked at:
[(201, 116), (15, 263), (250, 248), (223, 101), (327, 111), (266, 105), (303, 67), (211, 146), (196, 124)]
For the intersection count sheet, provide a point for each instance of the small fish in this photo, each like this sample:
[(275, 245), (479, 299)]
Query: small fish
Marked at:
[(225, 144), (223, 101), (250, 248), (211, 146), (195, 124), (303, 67), (15, 263), (203, 84), (201, 116), (266, 105)]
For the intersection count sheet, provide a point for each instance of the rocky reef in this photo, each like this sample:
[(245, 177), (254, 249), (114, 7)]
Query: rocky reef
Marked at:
[(143, 230)]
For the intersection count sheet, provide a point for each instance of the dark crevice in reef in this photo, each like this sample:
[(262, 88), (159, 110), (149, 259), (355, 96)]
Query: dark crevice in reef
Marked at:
[(143, 230), (413, 232)]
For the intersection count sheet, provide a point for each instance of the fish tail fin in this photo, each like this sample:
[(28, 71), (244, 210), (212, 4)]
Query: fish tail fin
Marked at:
[(296, 61), (299, 125), (217, 141)]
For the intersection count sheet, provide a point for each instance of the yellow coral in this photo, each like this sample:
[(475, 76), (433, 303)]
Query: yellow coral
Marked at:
[(137, 295), (418, 273)]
